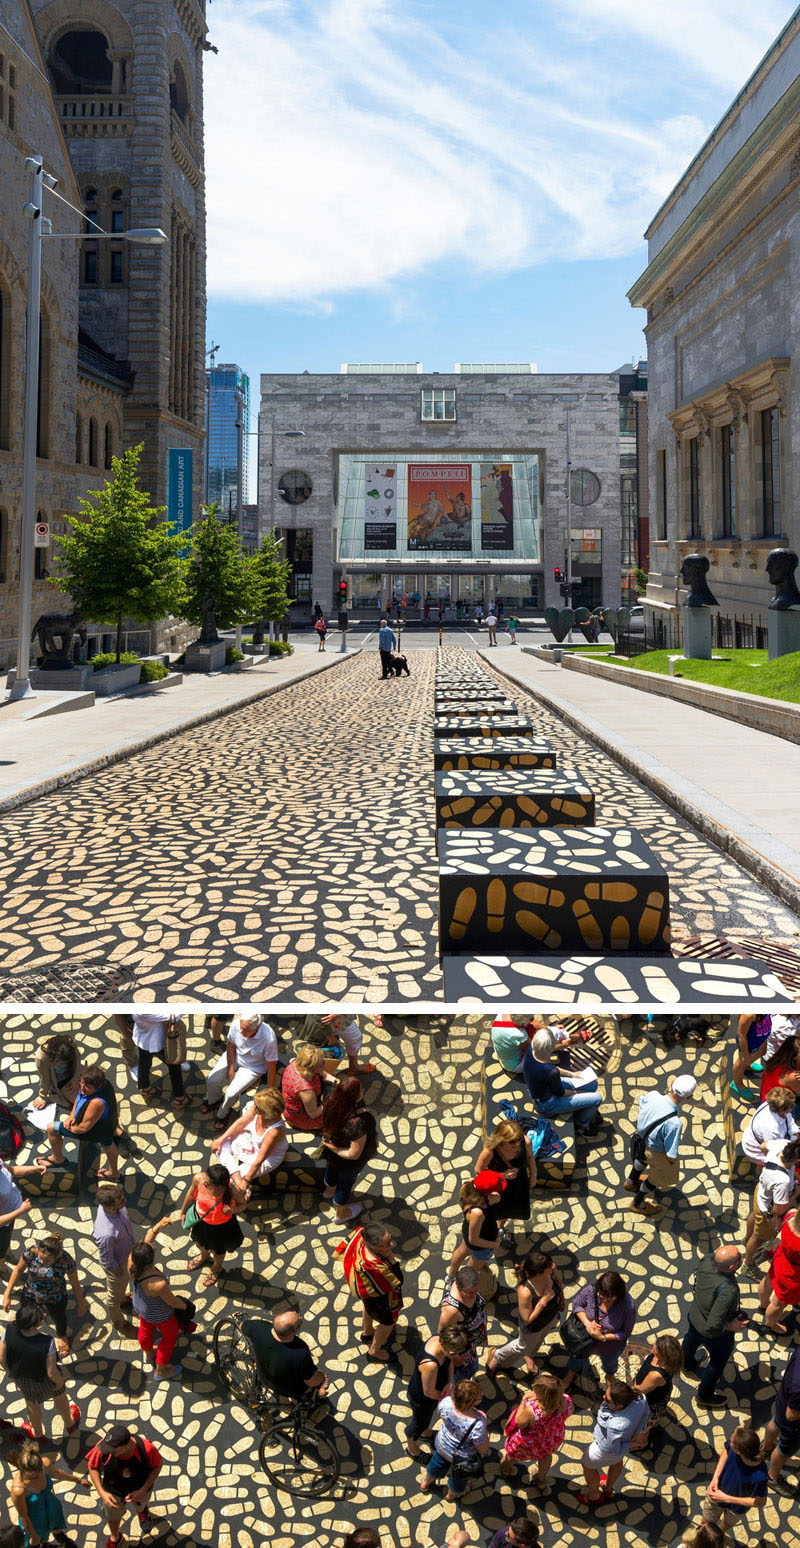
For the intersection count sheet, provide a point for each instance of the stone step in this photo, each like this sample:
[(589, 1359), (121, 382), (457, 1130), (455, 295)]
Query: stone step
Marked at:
[(555, 980), (479, 725), (469, 693), (514, 798), (550, 889), (496, 752), (460, 707)]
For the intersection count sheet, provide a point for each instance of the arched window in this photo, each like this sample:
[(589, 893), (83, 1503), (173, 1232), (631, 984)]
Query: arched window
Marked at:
[(78, 439), (5, 365), (179, 93), (117, 210), (108, 445), (93, 443), (79, 64)]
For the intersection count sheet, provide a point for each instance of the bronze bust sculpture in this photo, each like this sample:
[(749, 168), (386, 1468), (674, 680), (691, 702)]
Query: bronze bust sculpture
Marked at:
[(781, 565), (694, 570)]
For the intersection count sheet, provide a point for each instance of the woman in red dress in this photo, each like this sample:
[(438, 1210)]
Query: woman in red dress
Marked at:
[(783, 1069), (780, 1286)]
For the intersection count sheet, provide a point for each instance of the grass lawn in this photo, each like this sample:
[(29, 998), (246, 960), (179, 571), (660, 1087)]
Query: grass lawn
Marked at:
[(748, 671)]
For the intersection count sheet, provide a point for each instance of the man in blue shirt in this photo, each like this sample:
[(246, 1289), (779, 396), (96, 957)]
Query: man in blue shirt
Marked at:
[(659, 1125), (386, 644)]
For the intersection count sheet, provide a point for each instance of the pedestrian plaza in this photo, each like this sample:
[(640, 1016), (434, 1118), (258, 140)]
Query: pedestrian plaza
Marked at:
[(428, 1093)]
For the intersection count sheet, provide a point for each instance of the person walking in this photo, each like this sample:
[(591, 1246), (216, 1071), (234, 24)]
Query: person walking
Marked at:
[(773, 1120), (214, 1229), (375, 1277), (28, 1356), (782, 1435), (349, 1140), (164, 1036), (32, 1496), (715, 1317), (322, 630), (739, 1482), (536, 1428), (464, 1307), (659, 1127), (512, 630), (780, 1287), (462, 1441), (540, 1300), (620, 1417), (387, 642), (123, 1469), (114, 1238), (256, 1143), (481, 1202), (491, 624), (155, 1304), (250, 1057), (45, 1269), (92, 1119), (775, 1192), (12, 1207), (752, 1035), (781, 1068), (508, 1150), (553, 1093), (655, 1378), (608, 1313), (431, 1380)]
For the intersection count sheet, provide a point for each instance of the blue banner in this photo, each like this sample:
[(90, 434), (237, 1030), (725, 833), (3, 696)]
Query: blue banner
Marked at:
[(179, 488)]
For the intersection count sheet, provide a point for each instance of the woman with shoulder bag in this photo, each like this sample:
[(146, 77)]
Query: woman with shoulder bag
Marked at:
[(209, 1210), (165, 1036), (607, 1313), (540, 1300), (462, 1442), (159, 1310)]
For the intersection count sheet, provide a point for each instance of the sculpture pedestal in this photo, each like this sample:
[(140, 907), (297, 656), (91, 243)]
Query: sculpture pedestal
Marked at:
[(64, 680), (697, 633), (783, 631), (205, 658)]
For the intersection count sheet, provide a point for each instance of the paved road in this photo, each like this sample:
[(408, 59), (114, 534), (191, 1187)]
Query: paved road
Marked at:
[(425, 1095)]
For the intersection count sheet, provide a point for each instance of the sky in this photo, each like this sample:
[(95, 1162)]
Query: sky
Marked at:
[(447, 180)]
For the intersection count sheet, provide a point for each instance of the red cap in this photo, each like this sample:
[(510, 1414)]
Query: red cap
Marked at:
[(490, 1182)]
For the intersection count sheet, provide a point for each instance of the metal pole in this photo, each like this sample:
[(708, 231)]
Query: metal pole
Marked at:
[(272, 481), (239, 480), (568, 558), (22, 686)]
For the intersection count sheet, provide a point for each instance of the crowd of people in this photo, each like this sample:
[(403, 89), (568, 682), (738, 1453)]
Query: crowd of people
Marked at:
[(259, 1099)]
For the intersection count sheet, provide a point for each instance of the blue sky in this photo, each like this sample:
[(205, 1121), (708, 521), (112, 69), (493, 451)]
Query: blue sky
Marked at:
[(444, 180)]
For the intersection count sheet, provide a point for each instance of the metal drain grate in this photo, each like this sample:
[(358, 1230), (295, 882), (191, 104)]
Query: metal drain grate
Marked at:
[(81, 982), (785, 963)]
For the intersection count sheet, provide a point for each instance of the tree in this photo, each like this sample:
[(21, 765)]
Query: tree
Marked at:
[(220, 583), (272, 572), (120, 558)]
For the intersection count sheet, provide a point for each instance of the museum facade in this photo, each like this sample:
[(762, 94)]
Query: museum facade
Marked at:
[(438, 488)]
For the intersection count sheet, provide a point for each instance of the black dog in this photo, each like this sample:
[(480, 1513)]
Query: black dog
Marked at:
[(686, 1028), (400, 665)]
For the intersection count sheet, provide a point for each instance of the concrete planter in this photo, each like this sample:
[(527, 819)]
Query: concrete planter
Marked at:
[(171, 681), (205, 658), (240, 666), (115, 679)]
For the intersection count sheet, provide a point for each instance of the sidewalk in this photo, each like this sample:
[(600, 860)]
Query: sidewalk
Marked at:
[(40, 755), (739, 786)]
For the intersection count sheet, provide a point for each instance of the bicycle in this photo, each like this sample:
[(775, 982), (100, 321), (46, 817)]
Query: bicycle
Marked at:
[(294, 1453)]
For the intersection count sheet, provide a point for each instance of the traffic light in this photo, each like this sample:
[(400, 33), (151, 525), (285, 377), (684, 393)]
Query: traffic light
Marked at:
[(343, 593), (558, 575)]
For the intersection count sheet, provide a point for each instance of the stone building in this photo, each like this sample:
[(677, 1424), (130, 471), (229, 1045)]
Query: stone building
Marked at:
[(442, 487), (722, 292), (111, 97)]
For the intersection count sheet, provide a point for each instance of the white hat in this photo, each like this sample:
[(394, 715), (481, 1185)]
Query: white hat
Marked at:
[(684, 1086)]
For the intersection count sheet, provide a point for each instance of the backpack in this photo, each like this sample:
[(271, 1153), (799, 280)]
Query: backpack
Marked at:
[(12, 1134)]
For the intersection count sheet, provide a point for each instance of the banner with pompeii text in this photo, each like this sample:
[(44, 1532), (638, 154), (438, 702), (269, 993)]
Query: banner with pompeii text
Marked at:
[(497, 506), (440, 507)]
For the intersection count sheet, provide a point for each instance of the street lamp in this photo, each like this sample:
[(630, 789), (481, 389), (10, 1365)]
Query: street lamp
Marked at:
[(149, 236)]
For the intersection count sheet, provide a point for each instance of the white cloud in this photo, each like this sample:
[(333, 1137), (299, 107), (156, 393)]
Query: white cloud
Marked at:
[(352, 144)]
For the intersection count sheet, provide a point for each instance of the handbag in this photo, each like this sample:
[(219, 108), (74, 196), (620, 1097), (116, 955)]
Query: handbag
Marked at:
[(186, 1314), (574, 1335), (467, 1461), (191, 1218), (175, 1041), (639, 1141)]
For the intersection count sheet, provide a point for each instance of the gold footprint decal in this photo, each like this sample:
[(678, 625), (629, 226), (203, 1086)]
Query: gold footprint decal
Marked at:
[(462, 913)]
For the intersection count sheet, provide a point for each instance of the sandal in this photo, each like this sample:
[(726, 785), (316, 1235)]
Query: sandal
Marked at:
[(220, 1125), (27, 1429), (587, 1499), (49, 1163), (75, 1416), (208, 1280), (105, 1171), (195, 1263), (208, 1107), (381, 1356), (181, 1102)]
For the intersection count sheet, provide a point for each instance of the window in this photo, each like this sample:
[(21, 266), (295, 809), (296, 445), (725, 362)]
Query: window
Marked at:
[(108, 446), (78, 439), (295, 487), (438, 403), (693, 488), (179, 94), (79, 64), (93, 443), (661, 493), (90, 266), (117, 211), (116, 272), (90, 210), (768, 471), (727, 481)]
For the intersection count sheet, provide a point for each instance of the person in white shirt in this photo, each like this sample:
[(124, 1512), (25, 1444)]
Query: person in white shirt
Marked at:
[(12, 1206), (149, 1034), (491, 624), (251, 1054), (773, 1120), (775, 1191), (781, 1027), (348, 1028)]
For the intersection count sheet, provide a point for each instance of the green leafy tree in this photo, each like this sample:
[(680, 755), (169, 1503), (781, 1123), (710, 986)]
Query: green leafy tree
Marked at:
[(221, 587), (272, 571), (120, 558)]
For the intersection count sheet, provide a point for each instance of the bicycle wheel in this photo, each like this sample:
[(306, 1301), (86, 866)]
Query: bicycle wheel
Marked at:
[(235, 1361), (299, 1460)]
